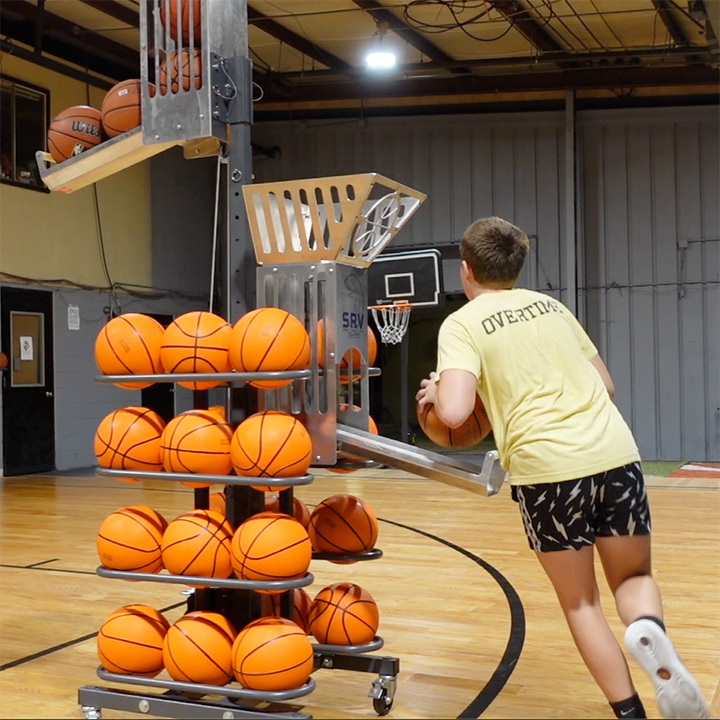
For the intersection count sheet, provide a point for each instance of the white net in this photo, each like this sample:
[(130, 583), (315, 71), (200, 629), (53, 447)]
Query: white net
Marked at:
[(392, 322)]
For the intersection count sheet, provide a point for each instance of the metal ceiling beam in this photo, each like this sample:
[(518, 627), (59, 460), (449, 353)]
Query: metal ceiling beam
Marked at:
[(280, 32), (526, 25), (73, 34), (54, 65), (676, 33), (578, 79), (114, 9), (407, 33)]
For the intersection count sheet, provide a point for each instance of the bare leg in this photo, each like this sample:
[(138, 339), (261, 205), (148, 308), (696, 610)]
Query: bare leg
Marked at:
[(627, 564), (572, 574)]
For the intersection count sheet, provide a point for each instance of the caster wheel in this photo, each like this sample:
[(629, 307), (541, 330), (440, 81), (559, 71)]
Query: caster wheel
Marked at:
[(383, 704), (91, 713)]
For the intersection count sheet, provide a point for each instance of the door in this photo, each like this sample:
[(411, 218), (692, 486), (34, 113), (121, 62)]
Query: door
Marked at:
[(160, 397), (28, 382)]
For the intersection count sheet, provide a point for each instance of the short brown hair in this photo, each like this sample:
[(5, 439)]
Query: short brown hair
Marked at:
[(495, 250)]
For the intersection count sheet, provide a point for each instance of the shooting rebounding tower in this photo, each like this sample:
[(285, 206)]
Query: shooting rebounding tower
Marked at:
[(312, 242)]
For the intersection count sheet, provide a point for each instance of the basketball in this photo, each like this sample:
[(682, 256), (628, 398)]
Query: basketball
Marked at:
[(73, 131), (198, 648), (129, 539), (196, 342), (218, 503), (344, 614), (270, 546), (198, 543), (343, 524), (3, 360), (129, 439), (130, 344), (372, 428), (121, 107), (300, 611), (196, 441), (300, 511), (272, 654), (185, 10), (218, 410), (130, 641), (269, 340), (271, 444), (372, 348), (475, 429), (190, 63)]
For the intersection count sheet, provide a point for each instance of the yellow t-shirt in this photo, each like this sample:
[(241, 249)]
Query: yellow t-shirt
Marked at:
[(551, 414)]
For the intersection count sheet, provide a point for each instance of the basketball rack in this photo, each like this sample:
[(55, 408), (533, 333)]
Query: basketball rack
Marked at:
[(313, 242)]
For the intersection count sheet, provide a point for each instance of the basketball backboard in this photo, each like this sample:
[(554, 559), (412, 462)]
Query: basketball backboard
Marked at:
[(413, 277)]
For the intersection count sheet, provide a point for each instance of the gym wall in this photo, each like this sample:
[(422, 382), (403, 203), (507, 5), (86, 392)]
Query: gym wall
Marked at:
[(647, 182)]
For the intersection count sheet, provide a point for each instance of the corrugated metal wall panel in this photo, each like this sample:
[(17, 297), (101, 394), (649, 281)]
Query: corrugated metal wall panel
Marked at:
[(651, 182)]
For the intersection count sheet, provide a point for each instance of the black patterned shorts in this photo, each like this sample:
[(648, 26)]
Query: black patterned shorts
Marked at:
[(570, 514)]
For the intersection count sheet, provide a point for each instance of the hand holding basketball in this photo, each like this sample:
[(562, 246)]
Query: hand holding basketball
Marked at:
[(475, 429)]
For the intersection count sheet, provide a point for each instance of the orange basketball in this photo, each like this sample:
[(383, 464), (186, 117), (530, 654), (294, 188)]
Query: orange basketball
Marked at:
[(270, 546), (129, 439), (73, 131), (343, 524), (190, 64), (475, 429), (372, 428), (130, 641), (272, 654), (271, 444), (196, 441), (356, 355), (186, 9), (130, 538), (198, 648), (300, 610), (198, 543), (196, 342), (269, 340), (121, 107), (129, 344), (3, 360), (218, 503), (300, 511), (344, 614)]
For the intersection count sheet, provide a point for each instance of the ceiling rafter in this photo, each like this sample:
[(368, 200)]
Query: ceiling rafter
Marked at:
[(404, 31), (73, 34), (299, 43), (526, 25), (676, 33), (116, 10), (609, 78)]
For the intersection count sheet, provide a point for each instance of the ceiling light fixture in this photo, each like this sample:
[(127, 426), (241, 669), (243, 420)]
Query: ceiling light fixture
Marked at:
[(379, 58)]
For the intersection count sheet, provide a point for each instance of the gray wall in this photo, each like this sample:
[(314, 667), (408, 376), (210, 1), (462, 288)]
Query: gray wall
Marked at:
[(650, 188), (646, 180), (470, 166)]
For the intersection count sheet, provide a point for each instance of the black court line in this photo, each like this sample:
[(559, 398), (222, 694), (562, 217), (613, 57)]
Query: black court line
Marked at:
[(32, 566), (46, 569), (62, 646), (517, 628)]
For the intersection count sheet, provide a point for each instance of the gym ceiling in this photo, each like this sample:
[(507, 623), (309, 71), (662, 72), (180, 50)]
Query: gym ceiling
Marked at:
[(453, 55)]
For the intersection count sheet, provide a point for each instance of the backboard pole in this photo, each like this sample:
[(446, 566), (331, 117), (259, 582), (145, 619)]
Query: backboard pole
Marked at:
[(404, 420)]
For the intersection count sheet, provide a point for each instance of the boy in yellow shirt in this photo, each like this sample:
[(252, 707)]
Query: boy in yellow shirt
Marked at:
[(572, 462)]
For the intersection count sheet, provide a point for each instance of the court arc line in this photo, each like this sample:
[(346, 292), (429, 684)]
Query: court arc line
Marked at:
[(516, 638)]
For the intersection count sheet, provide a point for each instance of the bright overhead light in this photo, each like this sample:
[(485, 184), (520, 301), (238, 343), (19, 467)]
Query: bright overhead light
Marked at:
[(380, 60)]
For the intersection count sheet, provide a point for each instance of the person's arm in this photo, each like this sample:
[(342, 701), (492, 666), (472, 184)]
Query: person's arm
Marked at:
[(599, 365), (453, 395)]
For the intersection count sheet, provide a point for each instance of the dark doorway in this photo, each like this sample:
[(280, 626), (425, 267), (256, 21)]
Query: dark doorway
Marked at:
[(160, 397), (28, 384)]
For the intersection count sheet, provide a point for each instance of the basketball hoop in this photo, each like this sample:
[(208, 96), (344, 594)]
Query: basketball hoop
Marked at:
[(392, 321)]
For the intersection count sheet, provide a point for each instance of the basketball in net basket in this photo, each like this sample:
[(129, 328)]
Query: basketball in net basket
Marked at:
[(392, 321)]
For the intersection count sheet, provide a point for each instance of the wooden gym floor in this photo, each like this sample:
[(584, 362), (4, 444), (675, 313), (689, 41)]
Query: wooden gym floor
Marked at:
[(455, 588)]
